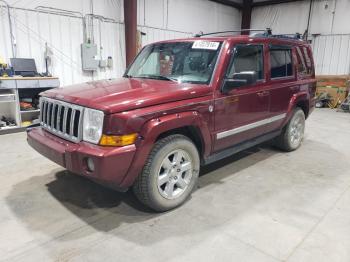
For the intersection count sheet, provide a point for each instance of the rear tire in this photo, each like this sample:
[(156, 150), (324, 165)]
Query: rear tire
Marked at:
[(169, 175), (293, 133)]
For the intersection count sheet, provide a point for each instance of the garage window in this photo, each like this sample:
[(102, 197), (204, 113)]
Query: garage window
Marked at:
[(281, 62)]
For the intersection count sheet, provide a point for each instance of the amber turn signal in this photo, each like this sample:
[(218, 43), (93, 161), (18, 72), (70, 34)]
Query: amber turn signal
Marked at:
[(125, 140)]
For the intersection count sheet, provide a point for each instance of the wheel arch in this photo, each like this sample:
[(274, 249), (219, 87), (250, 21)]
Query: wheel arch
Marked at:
[(303, 105), (300, 100), (190, 124), (192, 132)]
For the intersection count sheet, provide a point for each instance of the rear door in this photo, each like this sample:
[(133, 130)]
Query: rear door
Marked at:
[(282, 83), (240, 114)]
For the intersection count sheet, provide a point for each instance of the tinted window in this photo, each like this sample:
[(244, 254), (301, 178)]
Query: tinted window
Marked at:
[(304, 61), (308, 61), (302, 69), (247, 58), (281, 63)]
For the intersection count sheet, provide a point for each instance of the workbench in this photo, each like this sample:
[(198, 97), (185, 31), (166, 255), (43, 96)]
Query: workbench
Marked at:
[(12, 89)]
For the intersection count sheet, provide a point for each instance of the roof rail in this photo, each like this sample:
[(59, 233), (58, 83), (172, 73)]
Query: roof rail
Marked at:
[(262, 33), (289, 36), (266, 31)]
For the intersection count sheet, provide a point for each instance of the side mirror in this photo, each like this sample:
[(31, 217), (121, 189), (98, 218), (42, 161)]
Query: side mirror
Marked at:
[(238, 80)]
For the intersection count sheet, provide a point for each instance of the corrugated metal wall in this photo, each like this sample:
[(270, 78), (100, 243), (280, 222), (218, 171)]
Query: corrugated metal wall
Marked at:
[(64, 34), (329, 21), (332, 54), (156, 34), (159, 19)]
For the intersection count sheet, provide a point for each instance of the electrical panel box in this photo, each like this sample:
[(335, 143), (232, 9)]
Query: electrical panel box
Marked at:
[(110, 62), (89, 57)]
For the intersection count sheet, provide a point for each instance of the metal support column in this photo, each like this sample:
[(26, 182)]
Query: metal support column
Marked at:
[(246, 15), (130, 18)]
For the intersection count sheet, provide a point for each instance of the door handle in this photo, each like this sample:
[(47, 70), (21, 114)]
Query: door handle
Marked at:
[(263, 93)]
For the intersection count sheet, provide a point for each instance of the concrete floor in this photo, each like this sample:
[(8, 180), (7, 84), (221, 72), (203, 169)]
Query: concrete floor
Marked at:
[(260, 205)]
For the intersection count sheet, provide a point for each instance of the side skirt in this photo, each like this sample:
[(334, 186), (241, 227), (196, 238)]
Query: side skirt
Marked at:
[(240, 147)]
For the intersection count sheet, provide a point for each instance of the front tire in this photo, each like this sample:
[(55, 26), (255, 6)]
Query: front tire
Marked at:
[(293, 133), (170, 173)]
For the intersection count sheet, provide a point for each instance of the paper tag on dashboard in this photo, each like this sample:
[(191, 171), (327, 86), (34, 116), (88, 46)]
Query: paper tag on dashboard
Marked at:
[(205, 45)]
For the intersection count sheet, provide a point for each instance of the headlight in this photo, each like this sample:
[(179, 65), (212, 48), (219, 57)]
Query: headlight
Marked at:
[(92, 125)]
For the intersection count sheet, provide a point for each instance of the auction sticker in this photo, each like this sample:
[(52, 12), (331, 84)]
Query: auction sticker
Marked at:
[(205, 45)]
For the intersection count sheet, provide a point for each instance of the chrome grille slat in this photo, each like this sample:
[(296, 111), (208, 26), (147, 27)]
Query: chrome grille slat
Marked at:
[(41, 108), (44, 111), (51, 118), (80, 124), (58, 123), (72, 122), (65, 119), (47, 113)]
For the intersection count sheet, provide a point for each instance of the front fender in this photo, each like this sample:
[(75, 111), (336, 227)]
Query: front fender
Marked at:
[(152, 129)]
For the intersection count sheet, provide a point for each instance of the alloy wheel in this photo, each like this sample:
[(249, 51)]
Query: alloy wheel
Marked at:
[(175, 174)]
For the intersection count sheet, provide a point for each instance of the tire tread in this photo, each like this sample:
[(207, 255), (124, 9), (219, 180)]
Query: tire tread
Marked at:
[(282, 140), (140, 187)]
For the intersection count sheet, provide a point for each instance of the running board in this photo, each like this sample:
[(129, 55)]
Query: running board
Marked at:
[(240, 147)]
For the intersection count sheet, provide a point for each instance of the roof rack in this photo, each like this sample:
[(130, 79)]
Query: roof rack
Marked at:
[(267, 31), (288, 36), (264, 33)]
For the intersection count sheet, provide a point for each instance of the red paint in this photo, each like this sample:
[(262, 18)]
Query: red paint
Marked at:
[(152, 107), (111, 163)]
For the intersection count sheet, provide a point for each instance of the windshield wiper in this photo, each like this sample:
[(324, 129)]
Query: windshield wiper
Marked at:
[(158, 77), (127, 76)]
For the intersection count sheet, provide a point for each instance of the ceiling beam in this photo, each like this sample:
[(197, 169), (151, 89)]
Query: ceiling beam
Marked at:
[(273, 2), (228, 3)]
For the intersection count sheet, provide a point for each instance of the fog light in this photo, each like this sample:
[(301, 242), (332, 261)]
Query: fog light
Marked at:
[(90, 164)]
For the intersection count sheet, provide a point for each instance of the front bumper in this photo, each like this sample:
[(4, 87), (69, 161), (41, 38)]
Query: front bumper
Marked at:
[(111, 163)]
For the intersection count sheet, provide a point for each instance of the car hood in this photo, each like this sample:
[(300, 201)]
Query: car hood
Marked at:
[(112, 96)]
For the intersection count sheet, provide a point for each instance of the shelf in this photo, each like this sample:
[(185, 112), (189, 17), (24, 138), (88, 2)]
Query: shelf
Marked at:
[(8, 101), (30, 111), (13, 90), (6, 98), (9, 127)]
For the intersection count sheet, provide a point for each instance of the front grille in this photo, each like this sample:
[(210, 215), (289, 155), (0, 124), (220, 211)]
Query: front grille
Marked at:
[(61, 118)]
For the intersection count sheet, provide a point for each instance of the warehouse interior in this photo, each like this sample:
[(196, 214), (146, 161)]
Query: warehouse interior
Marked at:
[(260, 204)]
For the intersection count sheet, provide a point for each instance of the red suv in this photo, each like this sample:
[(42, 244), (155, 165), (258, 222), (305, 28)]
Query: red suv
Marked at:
[(180, 105)]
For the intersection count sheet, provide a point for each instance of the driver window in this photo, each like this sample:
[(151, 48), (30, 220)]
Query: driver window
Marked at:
[(247, 58)]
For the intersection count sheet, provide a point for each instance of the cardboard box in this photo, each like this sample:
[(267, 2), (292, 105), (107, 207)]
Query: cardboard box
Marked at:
[(336, 86), (337, 93)]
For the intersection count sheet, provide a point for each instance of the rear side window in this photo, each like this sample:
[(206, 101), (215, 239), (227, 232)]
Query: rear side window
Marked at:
[(247, 58), (302, 68), (281, 63), (304, 61)]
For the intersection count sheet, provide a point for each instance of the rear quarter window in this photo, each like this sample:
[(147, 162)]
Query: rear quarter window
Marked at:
[(304, 64)]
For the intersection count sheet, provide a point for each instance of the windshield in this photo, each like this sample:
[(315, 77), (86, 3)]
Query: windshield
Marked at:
[(184, 62)]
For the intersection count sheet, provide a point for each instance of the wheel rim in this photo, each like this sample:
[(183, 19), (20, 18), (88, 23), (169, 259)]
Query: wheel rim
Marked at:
[(297, 130), (175, 173)]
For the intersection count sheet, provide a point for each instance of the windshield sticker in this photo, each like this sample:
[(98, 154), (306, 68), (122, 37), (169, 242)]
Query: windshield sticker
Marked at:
[(205, 45)]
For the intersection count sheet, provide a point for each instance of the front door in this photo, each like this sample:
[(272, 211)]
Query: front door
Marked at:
[(241, 113)]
